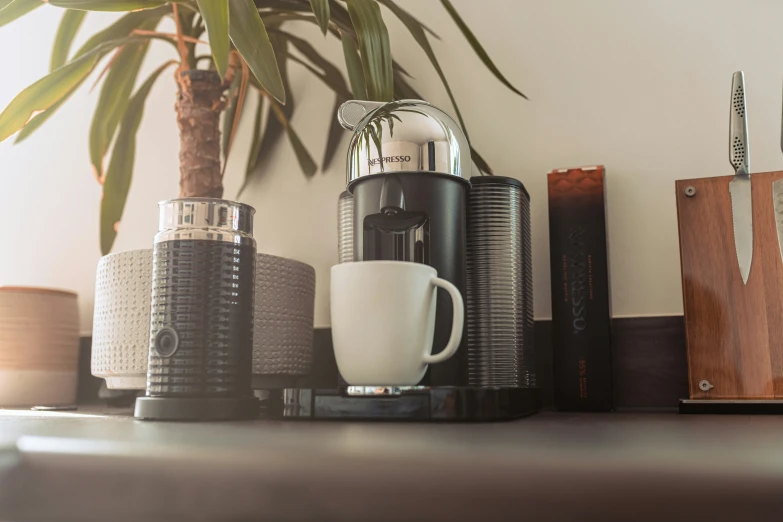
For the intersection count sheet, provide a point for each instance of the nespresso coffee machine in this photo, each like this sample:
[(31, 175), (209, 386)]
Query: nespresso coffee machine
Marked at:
[(408, 199), (408, 164)]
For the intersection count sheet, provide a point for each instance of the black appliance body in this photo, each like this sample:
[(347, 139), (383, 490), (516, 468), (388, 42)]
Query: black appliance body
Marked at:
[(418, 217)]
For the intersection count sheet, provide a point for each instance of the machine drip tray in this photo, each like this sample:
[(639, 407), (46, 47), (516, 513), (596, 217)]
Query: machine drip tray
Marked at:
[(415, 404)]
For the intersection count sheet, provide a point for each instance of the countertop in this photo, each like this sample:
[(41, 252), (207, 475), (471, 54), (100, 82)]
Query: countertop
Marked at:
[(552, 466)]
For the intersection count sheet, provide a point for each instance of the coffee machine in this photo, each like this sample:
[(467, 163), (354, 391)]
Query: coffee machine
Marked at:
[(408, 168), (408, 199)]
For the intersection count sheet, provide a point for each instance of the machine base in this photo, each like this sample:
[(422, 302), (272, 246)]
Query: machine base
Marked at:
[(421, 404), (732, 407), (196, 409)]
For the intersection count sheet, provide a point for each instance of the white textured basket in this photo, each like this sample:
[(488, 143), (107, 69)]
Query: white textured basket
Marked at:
[(39, 346), (121, 319), (283, 319)]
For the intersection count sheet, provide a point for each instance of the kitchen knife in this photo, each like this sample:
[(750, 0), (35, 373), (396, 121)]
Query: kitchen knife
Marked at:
[(777, 202), (740, 187)]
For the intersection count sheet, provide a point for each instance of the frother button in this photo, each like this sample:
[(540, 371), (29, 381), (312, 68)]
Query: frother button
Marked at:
[(166, 342)]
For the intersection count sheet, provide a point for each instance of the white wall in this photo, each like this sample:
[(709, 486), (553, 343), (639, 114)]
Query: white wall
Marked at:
[(642, 87)]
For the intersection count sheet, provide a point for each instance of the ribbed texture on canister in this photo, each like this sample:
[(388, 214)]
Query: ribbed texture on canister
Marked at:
[(345, 228), (203, 290), (499, 285)]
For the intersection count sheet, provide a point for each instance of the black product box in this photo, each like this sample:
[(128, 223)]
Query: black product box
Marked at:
[(581, 310)]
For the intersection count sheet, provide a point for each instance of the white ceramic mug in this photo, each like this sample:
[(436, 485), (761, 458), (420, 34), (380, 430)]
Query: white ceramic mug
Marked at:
[(383, 321)]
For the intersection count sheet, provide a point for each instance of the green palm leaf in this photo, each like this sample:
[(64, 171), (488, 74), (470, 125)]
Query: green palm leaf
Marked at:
[(336, 132), (321, 12), (230, 112), (255, 143), (249, 35), (421, 38), (215, 14), (374, 47), (273, 129), (120, 171), (329, 73), (123, 27), (66, 32), (45, 92), (16, 8), (107, 5), (427, 29), (354, 65), (474, 43), (232, 115), (306, 161), (113, 101), (480, 162), (53, 87), (119, 29)]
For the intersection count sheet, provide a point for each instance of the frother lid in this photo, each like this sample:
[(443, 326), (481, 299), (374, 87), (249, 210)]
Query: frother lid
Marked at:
[(403, 136), (207, 214)]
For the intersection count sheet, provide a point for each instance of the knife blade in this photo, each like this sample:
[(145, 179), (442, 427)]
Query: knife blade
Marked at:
[(777, 202), (740, 186)]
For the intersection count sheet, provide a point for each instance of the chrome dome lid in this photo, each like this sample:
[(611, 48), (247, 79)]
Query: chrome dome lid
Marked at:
[(403, 136)]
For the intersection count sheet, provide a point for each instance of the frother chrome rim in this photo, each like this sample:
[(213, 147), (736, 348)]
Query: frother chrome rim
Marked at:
[(205, 219), (208, 200)]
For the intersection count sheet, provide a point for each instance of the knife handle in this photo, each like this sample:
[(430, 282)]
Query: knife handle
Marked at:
[(739, 153)]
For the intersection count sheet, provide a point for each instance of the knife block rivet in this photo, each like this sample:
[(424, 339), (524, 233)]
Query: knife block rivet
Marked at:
[(690, 191), (705, 385)]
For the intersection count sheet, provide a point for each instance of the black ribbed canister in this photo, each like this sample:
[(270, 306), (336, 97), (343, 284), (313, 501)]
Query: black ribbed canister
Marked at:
[(202, 293), (499, 303), (201, 320)]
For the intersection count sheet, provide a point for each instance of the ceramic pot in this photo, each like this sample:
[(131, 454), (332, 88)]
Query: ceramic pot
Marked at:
[(121, 319), (39, 346)]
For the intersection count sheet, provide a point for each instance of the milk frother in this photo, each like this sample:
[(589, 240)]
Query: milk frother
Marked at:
[(201, 320)]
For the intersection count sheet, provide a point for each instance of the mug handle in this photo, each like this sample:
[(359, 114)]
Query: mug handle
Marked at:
[(456, 324)]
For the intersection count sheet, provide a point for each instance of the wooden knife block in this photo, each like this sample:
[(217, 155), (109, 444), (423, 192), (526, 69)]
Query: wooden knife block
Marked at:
[(734, 332)]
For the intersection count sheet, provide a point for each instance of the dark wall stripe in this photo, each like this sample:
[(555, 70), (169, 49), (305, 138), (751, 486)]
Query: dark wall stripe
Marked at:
[(650, 362)]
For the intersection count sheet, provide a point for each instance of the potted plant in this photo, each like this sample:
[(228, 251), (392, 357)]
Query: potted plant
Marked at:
[(249, 51)]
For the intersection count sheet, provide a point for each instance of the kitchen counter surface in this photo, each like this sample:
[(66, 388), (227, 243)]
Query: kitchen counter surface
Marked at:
[(552, 466)]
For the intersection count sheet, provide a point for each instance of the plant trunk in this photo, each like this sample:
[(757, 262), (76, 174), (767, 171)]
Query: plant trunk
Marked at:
[(199, 105)]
